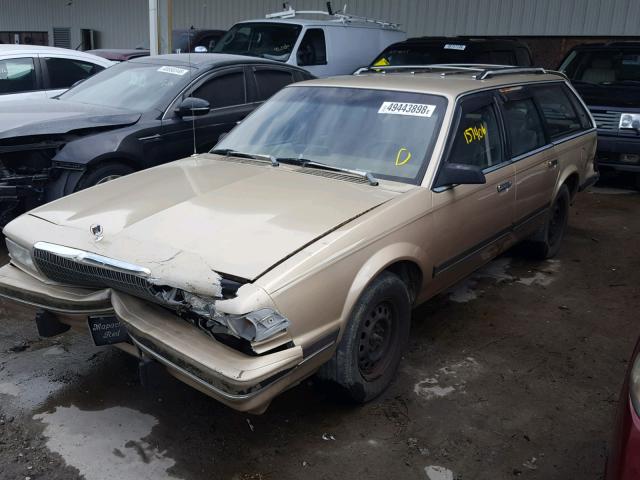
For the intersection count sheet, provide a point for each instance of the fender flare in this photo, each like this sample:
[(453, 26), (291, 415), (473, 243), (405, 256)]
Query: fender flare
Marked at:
[(379, 262)]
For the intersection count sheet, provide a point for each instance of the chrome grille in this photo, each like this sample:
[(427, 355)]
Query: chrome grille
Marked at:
[(69, 272), (606, 120)]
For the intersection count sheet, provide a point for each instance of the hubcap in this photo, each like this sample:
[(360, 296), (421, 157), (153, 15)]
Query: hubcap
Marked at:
[(375, 340)]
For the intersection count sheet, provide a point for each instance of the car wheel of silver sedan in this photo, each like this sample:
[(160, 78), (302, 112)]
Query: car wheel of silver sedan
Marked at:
[(374, 339)]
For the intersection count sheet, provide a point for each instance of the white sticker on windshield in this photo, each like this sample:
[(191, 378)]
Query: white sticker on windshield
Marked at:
[(402, 108), (173, 70), (454, 46)]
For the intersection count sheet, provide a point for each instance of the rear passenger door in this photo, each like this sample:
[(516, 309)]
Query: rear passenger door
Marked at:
[(531, 151), (269, 80), (472, 223)]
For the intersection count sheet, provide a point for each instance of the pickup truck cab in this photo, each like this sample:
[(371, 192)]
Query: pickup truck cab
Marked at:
[(302, 241), (336, 44)]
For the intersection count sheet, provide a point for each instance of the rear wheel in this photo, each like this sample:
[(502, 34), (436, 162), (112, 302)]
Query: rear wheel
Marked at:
[(546, 242), (102, 173), (368, 355)]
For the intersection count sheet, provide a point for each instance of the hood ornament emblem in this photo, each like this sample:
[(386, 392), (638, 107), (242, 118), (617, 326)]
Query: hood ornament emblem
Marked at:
[(97, 231)]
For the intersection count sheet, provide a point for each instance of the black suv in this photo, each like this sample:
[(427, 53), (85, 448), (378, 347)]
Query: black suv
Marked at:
[(461, 50), (607, 76)]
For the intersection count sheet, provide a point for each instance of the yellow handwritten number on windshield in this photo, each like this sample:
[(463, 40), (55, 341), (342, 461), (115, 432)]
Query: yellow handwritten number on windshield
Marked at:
[(402, 157)]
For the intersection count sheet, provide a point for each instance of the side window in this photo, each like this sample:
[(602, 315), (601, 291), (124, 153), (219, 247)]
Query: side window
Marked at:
[(313, 49), (17, 75), (223, 90), (524, 58), (64, 72), (559, 114), (477, 139), (503, 58), (271, 81), (583, 115), (524, 126)]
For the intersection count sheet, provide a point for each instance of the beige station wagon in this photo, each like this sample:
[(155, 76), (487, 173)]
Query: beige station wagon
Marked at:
[(301, 243)]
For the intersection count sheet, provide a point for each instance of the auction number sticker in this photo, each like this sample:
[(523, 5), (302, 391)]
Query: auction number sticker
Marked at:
[(402, 108), (173, 70)]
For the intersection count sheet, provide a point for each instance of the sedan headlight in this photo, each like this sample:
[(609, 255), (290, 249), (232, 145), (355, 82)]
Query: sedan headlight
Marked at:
[(257, 326), (634, 384), (20, 255), (630, 121)]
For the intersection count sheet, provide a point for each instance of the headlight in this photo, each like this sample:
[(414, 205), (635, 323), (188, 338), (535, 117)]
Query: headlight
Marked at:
[(257, 326), (630, 121), (634, 384), (20, 255)]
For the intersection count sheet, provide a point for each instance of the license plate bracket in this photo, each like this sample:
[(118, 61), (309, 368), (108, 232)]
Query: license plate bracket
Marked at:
[(107, 330)]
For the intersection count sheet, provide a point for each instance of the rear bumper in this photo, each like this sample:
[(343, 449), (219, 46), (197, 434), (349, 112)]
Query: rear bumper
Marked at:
[(240, 381), (624, 457), (589, 181)]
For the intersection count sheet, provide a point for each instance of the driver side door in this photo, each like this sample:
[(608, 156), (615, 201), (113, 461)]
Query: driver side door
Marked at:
[(473, 223), (226, 92)]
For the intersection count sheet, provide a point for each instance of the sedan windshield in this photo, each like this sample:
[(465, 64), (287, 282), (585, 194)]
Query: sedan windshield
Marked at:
[(604, 67), (386, 133), (131, 86), (274, 41)]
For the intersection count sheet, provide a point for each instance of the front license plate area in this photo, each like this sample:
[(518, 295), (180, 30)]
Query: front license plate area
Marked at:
[(107, 330)]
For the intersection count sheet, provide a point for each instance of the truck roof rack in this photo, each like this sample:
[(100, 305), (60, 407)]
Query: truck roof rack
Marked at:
[(339, 16), (482, 71)]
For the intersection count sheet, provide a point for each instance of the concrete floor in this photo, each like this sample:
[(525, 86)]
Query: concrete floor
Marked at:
[(514, 373)]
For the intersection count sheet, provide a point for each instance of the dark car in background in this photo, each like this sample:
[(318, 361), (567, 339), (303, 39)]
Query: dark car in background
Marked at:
[(460, 50), (624, 453), (193, 40), (120, 54), (132, 116), (607, 76)]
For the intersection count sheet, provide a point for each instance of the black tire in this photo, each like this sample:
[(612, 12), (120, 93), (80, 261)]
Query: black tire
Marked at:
[(374, 339), (546, 242), (103, 172)]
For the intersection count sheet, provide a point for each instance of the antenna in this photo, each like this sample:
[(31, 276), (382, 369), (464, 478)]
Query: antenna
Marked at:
[(193, 118)]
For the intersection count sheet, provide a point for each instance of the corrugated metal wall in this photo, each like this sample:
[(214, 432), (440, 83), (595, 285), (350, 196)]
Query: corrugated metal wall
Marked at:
[(124, 23), (444, 17), (119, 23)]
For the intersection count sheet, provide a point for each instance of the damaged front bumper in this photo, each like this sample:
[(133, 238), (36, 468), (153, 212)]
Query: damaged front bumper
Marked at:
[(239, 380), (19, 193)]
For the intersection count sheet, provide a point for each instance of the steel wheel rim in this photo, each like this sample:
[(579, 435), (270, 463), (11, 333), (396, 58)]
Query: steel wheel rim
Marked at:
[(376, 340), (108, 178)]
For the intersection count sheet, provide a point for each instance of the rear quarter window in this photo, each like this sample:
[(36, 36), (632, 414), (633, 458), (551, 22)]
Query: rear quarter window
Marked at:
[(560, 115)]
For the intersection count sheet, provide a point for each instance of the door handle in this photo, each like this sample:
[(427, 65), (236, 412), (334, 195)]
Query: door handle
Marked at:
[(552, 163), (503, 187)]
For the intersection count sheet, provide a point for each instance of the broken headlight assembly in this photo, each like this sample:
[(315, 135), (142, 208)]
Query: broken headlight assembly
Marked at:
[(254, 327), (634, 384), (20, 255)]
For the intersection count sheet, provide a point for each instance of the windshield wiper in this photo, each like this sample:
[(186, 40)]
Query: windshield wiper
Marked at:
[(310, 163), (229, 152)]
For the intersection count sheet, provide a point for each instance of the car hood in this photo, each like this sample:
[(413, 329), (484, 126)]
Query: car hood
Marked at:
[(50, 117), (209, 213)]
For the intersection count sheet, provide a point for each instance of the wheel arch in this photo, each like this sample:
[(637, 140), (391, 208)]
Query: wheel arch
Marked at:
[(406, 260)]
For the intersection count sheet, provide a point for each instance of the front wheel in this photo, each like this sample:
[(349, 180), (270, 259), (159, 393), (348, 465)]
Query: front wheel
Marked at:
[(371, 347), (103, 173), (546, 242)]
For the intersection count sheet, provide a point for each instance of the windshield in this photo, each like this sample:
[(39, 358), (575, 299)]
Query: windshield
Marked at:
[(274, 41), (131, 86), (181, 41), (386, 133), (603, 67), (422, 55)]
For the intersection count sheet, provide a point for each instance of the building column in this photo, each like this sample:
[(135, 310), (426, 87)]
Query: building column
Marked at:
[(160, 26)]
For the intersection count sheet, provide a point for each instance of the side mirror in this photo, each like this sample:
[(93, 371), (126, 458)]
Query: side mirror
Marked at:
[(459, 174), (193, 107), (200, 49)]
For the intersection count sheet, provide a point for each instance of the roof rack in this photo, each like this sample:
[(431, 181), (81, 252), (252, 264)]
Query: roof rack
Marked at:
[(339, 16), (482, 71)]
